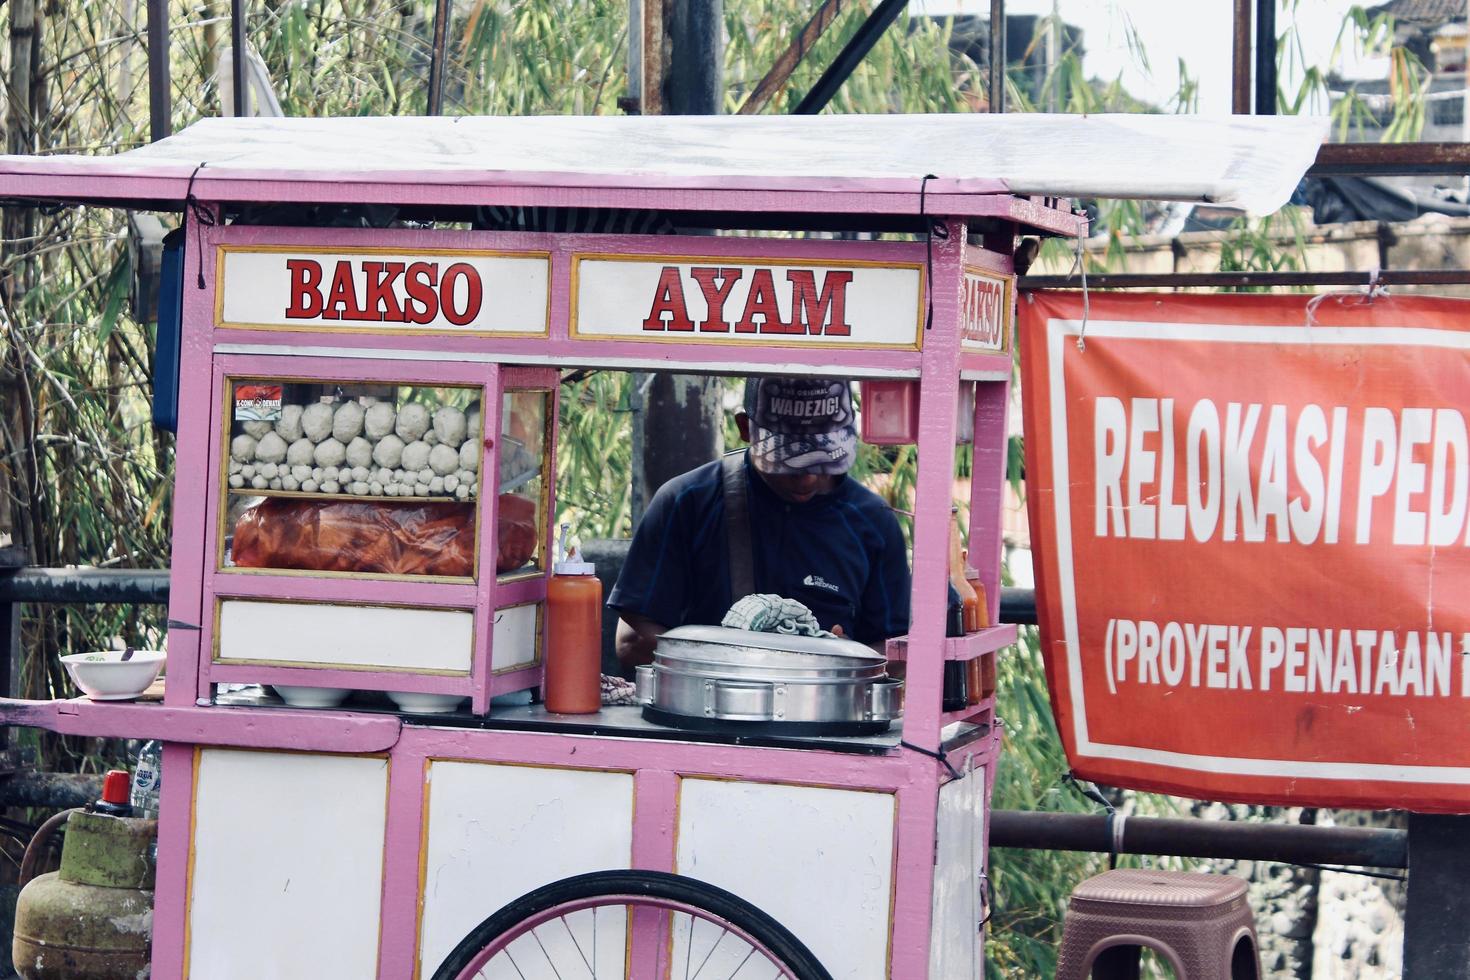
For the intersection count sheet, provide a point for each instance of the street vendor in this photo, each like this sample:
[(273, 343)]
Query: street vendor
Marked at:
[(782, 518)]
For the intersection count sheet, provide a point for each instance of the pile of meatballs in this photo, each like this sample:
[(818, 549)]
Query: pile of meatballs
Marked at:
[(361, 447)]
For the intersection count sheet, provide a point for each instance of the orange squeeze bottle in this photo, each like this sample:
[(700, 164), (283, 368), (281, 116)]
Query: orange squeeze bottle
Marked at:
[(982, 668), (572, 681)]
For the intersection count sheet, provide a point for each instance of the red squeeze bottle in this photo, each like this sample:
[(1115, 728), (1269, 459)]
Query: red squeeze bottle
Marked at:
[(572, 682)]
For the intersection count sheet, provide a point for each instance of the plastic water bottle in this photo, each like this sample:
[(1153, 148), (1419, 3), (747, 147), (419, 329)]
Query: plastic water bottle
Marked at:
[(147, 779)]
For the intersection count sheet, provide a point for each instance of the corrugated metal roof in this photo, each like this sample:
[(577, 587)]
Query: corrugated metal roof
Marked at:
[(1424, 12)]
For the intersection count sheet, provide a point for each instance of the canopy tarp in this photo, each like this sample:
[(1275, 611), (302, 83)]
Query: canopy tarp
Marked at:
[(1247, 162)]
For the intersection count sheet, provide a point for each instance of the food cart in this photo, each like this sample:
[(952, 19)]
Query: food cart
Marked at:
[(336, 292)]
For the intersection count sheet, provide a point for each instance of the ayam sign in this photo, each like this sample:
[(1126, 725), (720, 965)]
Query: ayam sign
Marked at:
[(1253, 543), (375, 290), (735, 300)]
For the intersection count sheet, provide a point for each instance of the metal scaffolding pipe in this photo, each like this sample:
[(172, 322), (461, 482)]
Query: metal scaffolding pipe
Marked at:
[(1265, 57), (160, 109), (138, 585), (997, 66), (851, 55), (59, 790), (1289, 843), (237, 58), (1240, 60), (435, 105), (149, 586), (1184, 280)]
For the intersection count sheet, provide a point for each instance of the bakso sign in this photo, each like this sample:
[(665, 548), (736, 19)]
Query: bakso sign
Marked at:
[(739, 301), (372, 290), (985, 312), (1252, 527)]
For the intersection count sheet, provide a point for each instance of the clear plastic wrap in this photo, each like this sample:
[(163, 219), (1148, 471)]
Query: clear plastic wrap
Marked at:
[(388, 539)]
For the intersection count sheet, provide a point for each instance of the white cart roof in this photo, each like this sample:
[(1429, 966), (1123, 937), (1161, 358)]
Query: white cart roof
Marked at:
[(745, 163)]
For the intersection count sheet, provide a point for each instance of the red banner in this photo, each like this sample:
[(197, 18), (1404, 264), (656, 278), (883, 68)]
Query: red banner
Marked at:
[(1253, 552)]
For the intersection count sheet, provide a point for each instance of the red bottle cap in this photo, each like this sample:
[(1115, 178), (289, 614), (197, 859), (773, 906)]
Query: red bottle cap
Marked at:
[(115, 787)]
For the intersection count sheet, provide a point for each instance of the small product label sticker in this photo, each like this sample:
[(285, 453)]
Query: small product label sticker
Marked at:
[(257, 402)]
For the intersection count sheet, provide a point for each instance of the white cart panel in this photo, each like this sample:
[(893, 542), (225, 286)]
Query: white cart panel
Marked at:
[(819, 860), (515, 642), (320, 635), (954, 947), (287, 874), (495, 832)]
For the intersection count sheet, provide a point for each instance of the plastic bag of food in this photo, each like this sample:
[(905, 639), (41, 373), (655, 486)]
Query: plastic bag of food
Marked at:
[(357, 536), (516, 524)]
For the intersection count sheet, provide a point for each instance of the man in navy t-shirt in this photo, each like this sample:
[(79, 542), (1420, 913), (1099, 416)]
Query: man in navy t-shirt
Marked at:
[(815, 535)]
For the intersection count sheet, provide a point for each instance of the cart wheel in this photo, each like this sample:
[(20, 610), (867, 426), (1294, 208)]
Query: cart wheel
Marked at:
[(580, 927)]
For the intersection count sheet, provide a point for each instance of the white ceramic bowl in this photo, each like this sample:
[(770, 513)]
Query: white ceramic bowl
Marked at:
[(416, 703), (106, 676), (311, 697)]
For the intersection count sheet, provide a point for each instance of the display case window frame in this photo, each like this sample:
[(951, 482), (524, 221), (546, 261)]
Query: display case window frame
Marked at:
[(538, 638), (233, 371), (317, 669), (515, 382)]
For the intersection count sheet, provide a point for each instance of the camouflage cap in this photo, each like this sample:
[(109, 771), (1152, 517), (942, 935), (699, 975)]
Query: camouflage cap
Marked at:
[(801, 425)]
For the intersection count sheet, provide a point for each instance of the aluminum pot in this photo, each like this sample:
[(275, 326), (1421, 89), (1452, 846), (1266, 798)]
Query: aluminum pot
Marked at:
[(711, 673)]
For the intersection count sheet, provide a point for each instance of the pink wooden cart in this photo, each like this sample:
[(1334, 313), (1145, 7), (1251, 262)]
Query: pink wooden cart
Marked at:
[(310, 842)]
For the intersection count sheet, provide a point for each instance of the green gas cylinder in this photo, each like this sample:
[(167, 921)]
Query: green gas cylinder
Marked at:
[(94, 917)]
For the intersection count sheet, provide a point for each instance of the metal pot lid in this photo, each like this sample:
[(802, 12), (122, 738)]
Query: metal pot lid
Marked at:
[(720, 643)]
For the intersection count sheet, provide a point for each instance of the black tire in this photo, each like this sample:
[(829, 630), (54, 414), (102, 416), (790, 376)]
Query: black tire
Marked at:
[(776, 938)]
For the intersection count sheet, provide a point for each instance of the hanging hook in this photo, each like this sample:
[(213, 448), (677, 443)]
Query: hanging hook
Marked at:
[(1079, 263), (203, 216)]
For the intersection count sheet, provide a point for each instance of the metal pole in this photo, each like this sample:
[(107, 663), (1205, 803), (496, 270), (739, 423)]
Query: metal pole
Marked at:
[(1436, 942), (850, 57), (159, 109), (682, 424), (1289, 843), (1240, 62), (10, 656), (696, 80), (140, 585), (633, 101), (54, 790), (436, 59), (788, 60), (10, 651), (1265, 57), (1182, 280), (997, 66), (1390, 159), (237, 62)]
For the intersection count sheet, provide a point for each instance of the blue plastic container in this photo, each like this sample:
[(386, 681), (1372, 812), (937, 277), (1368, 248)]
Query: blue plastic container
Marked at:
[(170, 327)]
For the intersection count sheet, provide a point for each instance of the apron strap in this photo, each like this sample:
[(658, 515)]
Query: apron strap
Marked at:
[(737, 526)]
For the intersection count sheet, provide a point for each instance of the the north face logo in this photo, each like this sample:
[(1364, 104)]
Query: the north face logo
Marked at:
[(817, 582)]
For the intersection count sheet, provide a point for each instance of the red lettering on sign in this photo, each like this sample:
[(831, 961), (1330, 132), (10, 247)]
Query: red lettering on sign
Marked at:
[(983, 313), (824, 313), (306, 300), (419, 282), (669, 299), (761, 301), (715, 296), (342, 296), (460, 270), (382, 298)]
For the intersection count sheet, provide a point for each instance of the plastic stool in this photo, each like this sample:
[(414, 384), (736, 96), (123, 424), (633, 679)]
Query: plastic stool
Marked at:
[(1201, 924)]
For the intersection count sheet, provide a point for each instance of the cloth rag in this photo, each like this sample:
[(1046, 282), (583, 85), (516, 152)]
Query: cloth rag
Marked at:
[(766, 613), (616, 690)]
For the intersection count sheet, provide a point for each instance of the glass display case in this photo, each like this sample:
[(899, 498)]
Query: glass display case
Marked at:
[(522, 505), (352, 478)]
